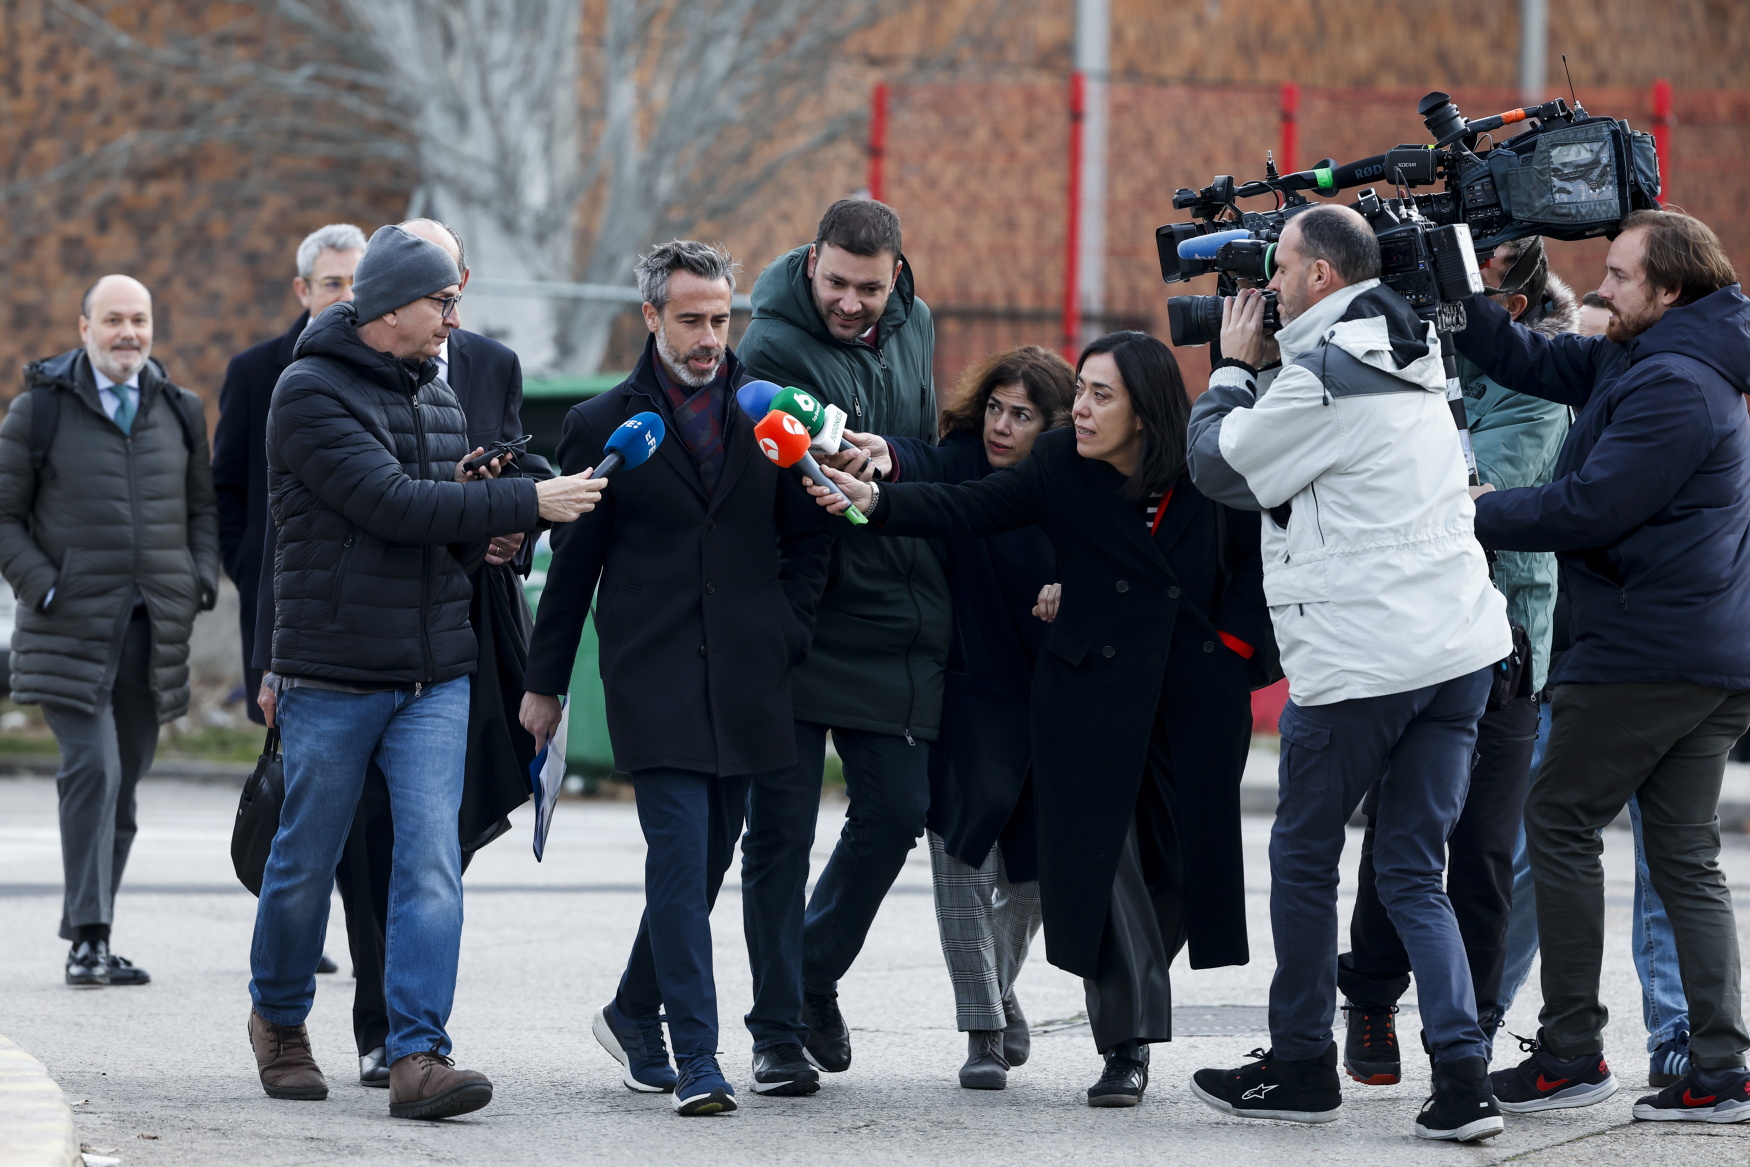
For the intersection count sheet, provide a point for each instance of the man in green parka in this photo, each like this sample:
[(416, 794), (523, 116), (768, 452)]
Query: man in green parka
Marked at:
[(839, 318), (1516, 439)]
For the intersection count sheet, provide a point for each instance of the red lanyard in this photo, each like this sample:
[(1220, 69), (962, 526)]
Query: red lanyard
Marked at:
[(1161, 511)]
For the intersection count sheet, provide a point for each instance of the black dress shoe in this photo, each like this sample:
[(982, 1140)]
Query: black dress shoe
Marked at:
[(1017, 1038), (123, 972), (1122, 1082), (829, 1038), (88, 964), (326, 964), (374, 1069)]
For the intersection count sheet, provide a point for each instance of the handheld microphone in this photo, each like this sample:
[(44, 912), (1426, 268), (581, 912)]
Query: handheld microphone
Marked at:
[(632, 443), (755, 398), (784, 440)]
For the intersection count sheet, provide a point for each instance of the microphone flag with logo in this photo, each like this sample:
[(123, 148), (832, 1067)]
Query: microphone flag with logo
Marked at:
[(784, 440), (633, 442)]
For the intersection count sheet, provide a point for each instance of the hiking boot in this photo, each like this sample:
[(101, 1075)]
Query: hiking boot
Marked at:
[(636, 1043), (1545, 1082), (1669, 1062), (283, 1058), (1700, 1096), (1272, 1087), (1017, 1038), (1370, 1044), (428, 1085), (783, 1071), (986, 1068), (701, 1087), (1462, 1108), (829, 1039), (1122, 1081)]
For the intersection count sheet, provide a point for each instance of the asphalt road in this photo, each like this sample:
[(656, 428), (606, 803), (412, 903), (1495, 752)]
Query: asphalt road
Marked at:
[(543, 948)]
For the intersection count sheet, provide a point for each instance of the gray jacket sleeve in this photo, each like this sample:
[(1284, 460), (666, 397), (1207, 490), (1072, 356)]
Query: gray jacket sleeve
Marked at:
[(1229, 389)]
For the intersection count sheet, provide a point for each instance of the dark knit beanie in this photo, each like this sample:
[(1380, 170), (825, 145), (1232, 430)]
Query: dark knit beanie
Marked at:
[(396, 269)]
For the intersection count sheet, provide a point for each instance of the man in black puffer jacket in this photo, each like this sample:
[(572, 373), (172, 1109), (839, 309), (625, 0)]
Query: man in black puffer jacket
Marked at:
[(379, 523)]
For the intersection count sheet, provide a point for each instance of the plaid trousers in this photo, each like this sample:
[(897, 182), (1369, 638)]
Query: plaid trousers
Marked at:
[(987, 924)]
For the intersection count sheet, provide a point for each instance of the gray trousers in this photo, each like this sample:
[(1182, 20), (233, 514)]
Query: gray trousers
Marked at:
[(1131, 996), (987, 925), (103, 755), (1666, 745)]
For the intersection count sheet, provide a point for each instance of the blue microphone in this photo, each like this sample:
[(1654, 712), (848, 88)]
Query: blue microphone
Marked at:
[(755, 398), (1205, 246), (629, 446)]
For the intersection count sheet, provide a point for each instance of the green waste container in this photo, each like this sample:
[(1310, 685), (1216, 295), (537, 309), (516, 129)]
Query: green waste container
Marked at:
[(545, 403)]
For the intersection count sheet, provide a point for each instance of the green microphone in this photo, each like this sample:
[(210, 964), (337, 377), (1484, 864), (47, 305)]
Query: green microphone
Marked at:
[(801, 406)]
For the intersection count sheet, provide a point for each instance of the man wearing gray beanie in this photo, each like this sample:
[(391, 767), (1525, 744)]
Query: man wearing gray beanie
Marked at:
[(378, 525)]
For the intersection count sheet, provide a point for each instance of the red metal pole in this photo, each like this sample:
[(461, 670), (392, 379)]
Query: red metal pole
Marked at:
[(1662, 134), (1072, 300), (1290, 114), (878, 143)]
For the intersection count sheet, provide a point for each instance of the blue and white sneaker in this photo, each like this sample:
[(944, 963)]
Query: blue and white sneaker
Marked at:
[(702, 1088), (636, 1043), (1668, 1062)]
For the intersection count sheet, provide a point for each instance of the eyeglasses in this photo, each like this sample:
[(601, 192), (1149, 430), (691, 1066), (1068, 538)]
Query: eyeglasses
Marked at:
[(333, 284), (447, 303)]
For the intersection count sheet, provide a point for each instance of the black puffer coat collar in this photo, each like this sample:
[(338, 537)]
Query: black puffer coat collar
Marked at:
[(335, 335)]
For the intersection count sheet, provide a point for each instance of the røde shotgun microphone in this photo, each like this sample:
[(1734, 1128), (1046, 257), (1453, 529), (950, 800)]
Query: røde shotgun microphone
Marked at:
[(784, 440), (632, 443)]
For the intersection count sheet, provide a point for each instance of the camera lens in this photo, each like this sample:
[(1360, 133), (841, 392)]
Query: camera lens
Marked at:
[(1193, 320)]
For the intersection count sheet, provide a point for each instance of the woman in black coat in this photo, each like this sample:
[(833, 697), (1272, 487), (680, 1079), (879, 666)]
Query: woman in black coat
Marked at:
[(983, 853), (1141, 714)]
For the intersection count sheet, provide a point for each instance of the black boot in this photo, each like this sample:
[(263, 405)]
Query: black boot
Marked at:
[(1272, 1087), (1462, 1108), (1370, 1044), (986, 1068)]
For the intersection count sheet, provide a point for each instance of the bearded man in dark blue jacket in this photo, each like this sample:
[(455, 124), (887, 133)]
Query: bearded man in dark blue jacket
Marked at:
[(1648, 513)]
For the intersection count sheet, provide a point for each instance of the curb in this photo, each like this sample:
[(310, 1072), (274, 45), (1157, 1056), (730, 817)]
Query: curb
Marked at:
[(36, 1125)]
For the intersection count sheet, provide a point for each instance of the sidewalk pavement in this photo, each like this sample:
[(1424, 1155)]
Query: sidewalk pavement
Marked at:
[(170, 1080)]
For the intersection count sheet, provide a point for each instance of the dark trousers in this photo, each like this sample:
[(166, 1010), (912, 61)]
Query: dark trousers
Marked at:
[(1666, 745), (1417, 747), (887, 781), (690, 823), (103, 755), (1479, 872), (1130, 997), (362, 878)]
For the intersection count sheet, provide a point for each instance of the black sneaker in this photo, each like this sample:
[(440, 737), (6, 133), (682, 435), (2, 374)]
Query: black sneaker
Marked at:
[(783, 1072), (1462, 1108), (829, 1040), (1544, 1082), (1370, 1044), (88, 964), (1121, 1082), (1700, 1096), (1270, 1087)]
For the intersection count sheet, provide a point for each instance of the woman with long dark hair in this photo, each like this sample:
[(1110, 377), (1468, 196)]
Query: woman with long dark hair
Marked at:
[(1141, 714), (983, 854)]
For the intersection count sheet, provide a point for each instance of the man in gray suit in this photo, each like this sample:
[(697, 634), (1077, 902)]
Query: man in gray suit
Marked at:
[(109, 535)]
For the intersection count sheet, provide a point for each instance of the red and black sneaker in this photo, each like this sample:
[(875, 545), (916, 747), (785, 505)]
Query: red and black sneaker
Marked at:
[(1370, 1046), (1545, 1082), (1700, 1096)]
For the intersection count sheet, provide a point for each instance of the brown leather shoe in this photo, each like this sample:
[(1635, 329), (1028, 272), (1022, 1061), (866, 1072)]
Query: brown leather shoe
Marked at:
[(428, 1085), (282, 1054)]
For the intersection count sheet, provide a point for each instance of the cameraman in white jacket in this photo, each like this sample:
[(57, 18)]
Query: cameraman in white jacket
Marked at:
[(1389, 629)]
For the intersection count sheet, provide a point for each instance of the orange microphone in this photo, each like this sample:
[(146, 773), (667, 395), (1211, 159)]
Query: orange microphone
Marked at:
[(784, 439)]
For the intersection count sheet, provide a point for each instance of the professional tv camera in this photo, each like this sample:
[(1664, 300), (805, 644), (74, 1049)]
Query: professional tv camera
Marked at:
[(1570, 176)]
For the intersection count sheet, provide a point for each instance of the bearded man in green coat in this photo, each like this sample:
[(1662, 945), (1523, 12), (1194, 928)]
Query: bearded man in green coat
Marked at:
[(840, 319)]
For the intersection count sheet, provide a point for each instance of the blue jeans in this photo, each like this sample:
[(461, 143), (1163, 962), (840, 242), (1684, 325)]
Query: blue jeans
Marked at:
[(420, 743), (1663, 1007), (690, 822), (1417, 746)]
